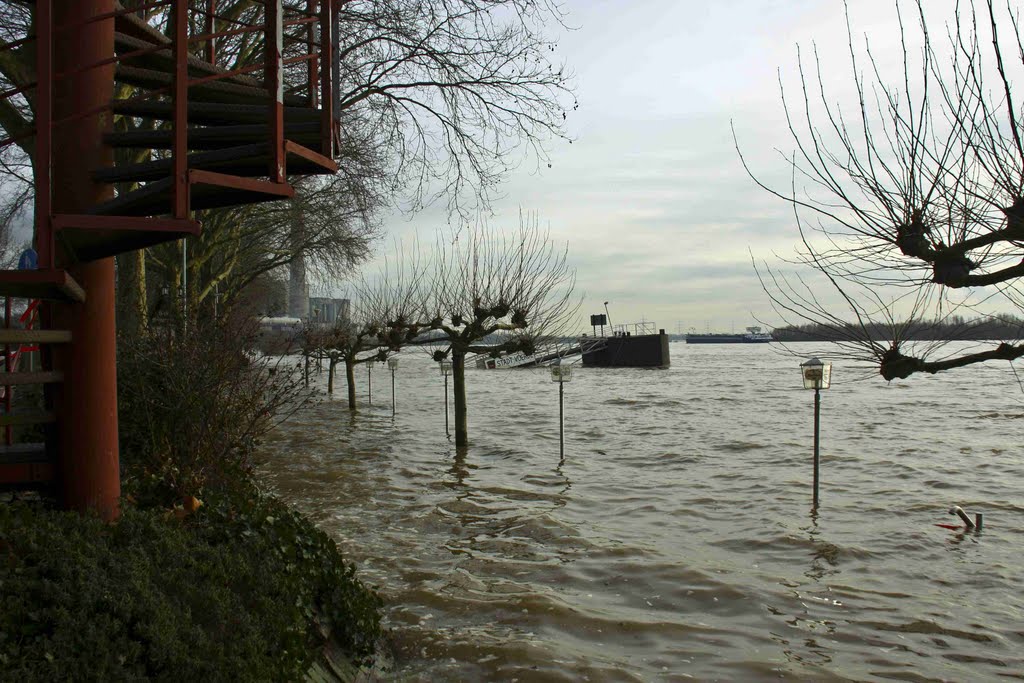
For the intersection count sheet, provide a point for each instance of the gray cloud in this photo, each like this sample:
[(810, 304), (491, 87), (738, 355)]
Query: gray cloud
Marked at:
[(659, 215)]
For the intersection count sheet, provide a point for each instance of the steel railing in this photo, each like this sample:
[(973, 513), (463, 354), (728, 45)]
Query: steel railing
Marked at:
[(297, 51)]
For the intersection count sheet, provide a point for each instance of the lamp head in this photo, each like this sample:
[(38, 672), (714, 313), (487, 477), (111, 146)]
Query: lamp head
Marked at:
[(816, 374)]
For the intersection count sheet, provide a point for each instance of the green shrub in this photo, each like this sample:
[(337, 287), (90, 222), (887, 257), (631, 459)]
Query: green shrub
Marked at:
[(193, 407), (246, 592), (306, 561), (244, 588), (142, 599)]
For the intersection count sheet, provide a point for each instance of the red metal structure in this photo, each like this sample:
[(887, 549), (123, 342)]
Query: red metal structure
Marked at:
[(212, 135)]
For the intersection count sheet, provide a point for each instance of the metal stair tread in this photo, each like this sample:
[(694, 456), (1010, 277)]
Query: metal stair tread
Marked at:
[(124, 43), (146, 171), (211, 137), (10, 379), (154, 199), (211, 113), (24, 453), (19, 336), (47, 284), (250, 161), (211, 91), (33, 417), (89, 237)]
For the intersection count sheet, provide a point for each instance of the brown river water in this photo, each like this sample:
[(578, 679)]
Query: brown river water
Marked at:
[(675, 541)]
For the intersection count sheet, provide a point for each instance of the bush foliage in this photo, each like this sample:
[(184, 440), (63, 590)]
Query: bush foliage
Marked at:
[(193, 406), (247, 592), (240, 588)]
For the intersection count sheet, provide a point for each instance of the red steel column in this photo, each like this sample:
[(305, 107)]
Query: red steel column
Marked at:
[(327, 75), (44, 118), (274, 83), (179, 150), (313, 66), (210, 50), (86, 403)]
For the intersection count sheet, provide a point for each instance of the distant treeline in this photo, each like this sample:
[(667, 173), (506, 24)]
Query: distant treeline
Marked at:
[(952, 328)]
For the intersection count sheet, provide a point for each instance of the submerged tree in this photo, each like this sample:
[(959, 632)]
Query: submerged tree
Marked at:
[(485, 282), (910, 201), (385, 317)]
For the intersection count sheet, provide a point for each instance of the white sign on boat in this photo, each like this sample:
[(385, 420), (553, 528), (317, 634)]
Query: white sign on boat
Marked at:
[(512, 360)]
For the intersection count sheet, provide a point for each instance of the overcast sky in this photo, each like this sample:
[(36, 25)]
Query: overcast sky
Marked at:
[(660, 217)]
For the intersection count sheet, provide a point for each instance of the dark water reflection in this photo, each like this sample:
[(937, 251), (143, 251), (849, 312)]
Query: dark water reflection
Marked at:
[(674, 541)]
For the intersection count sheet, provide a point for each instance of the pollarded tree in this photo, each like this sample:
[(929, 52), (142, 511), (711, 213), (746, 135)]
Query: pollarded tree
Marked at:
[(910, 201), (350, 343), (385, 317), (484, 282)]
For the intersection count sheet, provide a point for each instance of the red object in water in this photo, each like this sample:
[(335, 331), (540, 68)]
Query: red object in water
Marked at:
[(954, 527)]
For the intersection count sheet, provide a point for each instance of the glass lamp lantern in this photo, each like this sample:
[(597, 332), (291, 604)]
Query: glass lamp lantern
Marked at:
[(392, 364), (561, 373), (446, 367), (816, 374)]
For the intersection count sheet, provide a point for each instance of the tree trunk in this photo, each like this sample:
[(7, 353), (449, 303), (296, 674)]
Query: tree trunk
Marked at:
[(298, 292), (350, 377), (133, 307), (459, 375), (330, 375)]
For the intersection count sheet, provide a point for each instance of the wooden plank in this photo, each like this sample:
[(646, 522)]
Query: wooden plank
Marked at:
[(10, 379), (14, 336)]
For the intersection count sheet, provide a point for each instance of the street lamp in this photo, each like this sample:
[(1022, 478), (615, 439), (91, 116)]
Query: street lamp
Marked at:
[(369, 382), (446, 369), (392, 366), (561, 374), (816, 375)]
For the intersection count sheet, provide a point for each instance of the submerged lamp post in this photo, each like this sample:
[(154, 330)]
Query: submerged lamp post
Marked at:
[(446, 369), (392, 366), (561, 374), (817, 375)]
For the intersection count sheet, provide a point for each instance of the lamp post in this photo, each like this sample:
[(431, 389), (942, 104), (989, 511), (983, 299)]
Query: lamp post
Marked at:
[(446, 369), (817, 375), (561, 374), (392, 366), (369, 383)]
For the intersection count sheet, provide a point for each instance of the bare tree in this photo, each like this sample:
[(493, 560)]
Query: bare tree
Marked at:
[(324, 224), (910, 201), (453, 92), (385, 316), (518, 283), (435, 99)]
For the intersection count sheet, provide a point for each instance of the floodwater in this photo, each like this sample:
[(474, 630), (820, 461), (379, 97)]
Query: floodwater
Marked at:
[(675, 541)]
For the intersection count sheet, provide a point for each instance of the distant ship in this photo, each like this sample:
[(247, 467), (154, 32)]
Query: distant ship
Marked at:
[(754, 335)]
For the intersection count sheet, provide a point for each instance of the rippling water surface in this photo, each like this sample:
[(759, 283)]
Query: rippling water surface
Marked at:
[(675, 539)]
